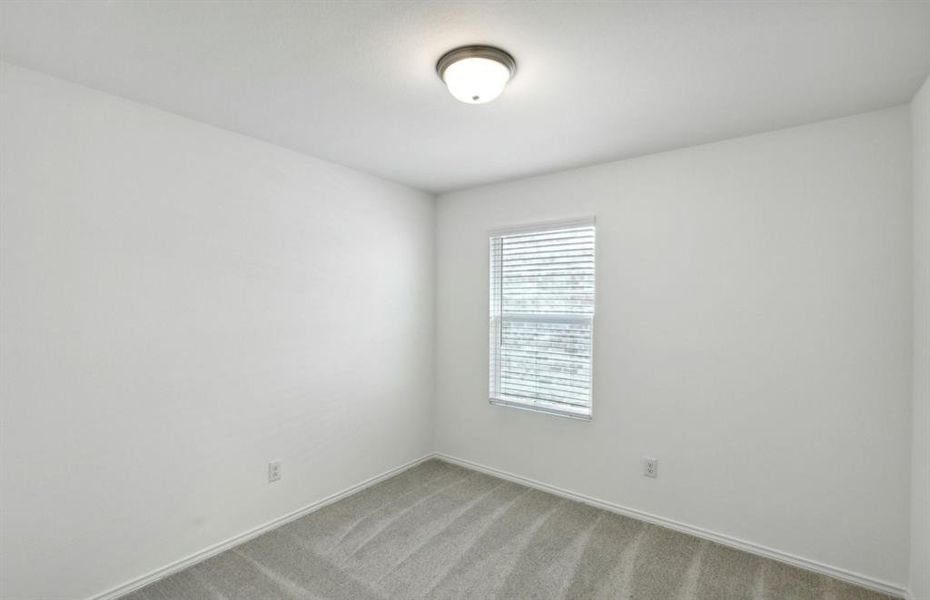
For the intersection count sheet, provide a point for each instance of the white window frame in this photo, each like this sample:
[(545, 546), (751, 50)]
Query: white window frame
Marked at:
[(495, 329)]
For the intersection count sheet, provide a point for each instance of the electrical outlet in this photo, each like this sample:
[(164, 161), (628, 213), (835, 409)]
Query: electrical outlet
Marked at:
[(274, 471), (650, 467)]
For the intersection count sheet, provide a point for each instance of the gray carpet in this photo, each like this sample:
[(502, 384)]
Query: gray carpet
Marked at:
[(441, 531)]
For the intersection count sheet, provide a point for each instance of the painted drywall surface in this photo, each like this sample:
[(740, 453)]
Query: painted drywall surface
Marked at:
[(180, 305), (753, 333), (920, 456)]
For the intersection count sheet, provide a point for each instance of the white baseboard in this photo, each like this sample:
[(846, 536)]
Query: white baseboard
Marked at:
[(188, 561), (725, 540), (797, 561)]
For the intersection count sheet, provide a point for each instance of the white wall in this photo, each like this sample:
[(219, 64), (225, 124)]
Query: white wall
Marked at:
[(182, 304), (920, 465), (753, 332)]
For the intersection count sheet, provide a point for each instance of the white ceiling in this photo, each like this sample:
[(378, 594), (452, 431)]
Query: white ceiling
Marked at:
[(354, 82)]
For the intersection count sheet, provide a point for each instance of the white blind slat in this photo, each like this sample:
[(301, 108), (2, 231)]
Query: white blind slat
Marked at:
[(542, 319)]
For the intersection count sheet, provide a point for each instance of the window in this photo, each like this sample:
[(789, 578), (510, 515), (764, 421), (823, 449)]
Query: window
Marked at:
[(542, 318)]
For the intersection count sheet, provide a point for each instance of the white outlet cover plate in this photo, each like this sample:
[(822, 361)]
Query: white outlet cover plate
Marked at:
[(274, 471), (650, 467)]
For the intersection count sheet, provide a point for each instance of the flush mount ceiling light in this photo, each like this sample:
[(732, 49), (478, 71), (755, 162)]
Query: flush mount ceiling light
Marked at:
[(476, 74)]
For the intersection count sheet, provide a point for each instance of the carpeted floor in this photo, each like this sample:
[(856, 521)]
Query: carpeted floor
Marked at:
[(441, 531)]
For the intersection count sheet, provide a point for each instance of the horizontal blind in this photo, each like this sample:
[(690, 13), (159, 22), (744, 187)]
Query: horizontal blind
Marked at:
[(542, 317)]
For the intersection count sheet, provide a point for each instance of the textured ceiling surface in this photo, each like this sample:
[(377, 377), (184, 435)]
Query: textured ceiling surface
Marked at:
[(354, 82)]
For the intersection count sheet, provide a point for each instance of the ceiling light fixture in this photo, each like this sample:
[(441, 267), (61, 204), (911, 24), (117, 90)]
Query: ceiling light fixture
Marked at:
[(476, 74)]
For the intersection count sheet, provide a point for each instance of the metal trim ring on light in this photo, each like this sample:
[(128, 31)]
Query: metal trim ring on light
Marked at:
[(476, 51)]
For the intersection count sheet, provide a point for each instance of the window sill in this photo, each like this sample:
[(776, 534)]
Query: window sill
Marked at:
[(578, 415)]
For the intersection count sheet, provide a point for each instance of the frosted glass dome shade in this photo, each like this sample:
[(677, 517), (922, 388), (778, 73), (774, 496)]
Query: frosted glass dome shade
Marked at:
[(476, 74)]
